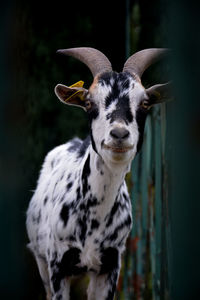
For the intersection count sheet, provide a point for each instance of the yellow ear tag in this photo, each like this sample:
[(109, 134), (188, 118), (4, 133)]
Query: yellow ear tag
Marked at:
[(77, 84)]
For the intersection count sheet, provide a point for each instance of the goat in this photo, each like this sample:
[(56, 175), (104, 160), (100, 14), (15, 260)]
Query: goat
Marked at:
[(79, 217)]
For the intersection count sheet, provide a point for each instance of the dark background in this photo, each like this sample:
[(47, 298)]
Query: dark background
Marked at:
[(33, 121)]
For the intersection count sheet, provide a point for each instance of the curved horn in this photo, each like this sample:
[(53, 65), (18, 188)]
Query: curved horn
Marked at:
[(96, 61), (140, 61)]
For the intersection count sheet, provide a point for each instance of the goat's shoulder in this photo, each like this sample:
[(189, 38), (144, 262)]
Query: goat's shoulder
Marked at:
[(61, 167), (57, 183), (65, 155), (75, 146)]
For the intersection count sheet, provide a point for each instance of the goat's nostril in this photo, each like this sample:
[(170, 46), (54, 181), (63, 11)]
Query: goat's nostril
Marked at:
[(119, 133)]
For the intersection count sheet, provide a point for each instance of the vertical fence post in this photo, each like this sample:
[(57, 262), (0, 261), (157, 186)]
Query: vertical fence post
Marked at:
[(158, 200)]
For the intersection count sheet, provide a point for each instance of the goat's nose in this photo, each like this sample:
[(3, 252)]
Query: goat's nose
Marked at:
[(119, 133)]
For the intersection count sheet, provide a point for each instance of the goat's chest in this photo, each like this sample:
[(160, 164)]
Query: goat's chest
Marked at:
[(90, 230), (90, 222)]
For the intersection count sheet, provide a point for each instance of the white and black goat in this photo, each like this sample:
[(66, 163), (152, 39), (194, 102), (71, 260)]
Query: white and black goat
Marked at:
[(79, 217)]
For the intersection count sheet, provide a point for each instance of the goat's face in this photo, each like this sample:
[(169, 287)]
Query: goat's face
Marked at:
[(116, 103), (117, 115)]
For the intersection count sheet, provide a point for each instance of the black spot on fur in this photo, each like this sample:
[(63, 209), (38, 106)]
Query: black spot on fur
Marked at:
[(110, 294), (53, 261), (124, 79), (126, 197), (113, 95), (72, 238), (64, 214), (112, 282), (108, 116), (69, 185), (45, 200), (56, 279), (122, 111), (114, 235), (52, 163), (38, 219), (102, 143), (82, 206), (93, 142), (93, 113), (126, 83), (78, 194), (109, 260), (69, 175), (141, 115), (75, 144), (117, 82), (104, 79), (83, 148), (120, 82), (94, 224), (67, 267), (128, 221), (92, 201), (114, 209), (85, 175), (82, 223), (69, 261)]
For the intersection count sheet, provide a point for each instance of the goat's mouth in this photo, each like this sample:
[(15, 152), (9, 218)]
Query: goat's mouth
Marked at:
[(118, 149)]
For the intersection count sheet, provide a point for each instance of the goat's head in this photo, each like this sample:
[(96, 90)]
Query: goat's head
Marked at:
[(116, 103)]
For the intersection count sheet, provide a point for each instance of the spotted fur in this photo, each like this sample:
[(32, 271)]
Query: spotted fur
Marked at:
[(79, 217)]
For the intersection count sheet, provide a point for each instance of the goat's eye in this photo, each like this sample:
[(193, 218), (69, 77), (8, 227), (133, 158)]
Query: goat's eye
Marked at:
[(88, 104), (145, 104)]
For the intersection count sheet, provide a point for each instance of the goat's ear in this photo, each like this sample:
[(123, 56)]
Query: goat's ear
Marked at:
[(71, 95), (159, 93)]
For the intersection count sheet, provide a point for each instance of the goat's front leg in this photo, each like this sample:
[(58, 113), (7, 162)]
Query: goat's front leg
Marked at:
[(102, 286), (60, 285), (43, 269)]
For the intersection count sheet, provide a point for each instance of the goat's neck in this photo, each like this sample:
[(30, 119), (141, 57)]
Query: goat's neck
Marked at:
[(106, 179)]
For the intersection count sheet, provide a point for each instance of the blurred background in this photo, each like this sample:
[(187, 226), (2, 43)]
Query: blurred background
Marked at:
[(163, 250)]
